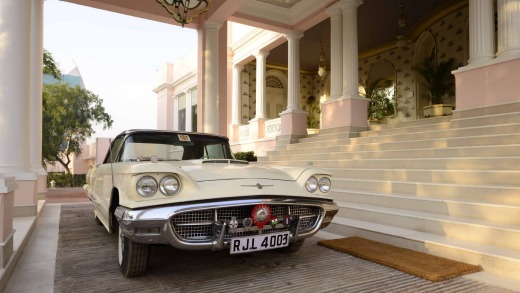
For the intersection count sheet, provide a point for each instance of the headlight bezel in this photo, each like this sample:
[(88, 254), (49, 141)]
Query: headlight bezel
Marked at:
[(324, 184), (139, 186), (311, 184), (163, 189)]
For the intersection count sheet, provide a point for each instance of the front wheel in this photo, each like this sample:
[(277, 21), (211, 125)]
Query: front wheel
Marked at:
[(132, 256)]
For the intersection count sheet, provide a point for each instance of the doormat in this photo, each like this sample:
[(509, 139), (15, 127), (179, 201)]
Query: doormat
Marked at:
[(415, 263)]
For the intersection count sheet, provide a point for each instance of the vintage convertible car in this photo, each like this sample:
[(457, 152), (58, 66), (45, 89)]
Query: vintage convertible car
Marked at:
[(186, 190)]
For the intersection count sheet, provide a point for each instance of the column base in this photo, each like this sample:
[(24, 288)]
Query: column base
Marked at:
[(257, 128), (25, 196), (294, 122), (7, 187), (234, 132), (351, 111), (6, 250)]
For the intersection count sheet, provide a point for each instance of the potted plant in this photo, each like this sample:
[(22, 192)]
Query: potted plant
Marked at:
[(380, 103), (439, 84), (312, 106)]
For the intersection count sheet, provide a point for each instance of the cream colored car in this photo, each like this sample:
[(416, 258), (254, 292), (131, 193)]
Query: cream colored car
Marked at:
[(186, 190)]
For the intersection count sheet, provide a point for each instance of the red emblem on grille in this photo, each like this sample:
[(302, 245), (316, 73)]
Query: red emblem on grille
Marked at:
[(261, 215)]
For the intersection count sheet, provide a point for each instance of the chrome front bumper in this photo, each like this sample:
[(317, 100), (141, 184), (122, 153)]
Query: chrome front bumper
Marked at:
[(206, 226)]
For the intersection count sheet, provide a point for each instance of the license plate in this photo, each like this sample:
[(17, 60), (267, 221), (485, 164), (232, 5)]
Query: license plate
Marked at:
[(259, 242)]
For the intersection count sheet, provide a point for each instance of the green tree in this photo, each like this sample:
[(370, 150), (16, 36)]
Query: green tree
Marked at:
[(50, 66), (69, 114)]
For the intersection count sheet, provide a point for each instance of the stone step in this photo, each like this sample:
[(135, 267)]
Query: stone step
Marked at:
[(489, 163), (486, 140), (497, 260), (406, 130), (465, 177), (470, 132), (450, 152), (483, 211), (494, 119), (415, 123), (490, 194), (473, 230)]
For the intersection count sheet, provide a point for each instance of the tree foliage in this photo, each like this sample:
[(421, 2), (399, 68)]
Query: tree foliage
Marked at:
[(50, 66), (380, 100), (69, 114)]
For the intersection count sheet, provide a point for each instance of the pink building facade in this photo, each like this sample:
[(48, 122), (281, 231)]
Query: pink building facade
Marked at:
[(482, 35)]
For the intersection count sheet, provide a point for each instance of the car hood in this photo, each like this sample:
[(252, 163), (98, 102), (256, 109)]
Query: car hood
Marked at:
[(202, 171)]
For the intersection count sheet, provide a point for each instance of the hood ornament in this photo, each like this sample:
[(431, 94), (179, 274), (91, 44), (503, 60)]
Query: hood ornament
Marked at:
[(258, 185)]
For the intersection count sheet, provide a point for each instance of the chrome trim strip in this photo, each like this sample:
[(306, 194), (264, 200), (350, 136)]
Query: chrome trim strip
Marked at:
[(160, 217)]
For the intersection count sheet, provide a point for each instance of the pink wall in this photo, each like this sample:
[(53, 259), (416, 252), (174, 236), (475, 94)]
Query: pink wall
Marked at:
[(489, 85)]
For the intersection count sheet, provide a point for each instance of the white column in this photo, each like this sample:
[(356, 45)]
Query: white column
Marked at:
[(15, 61), (293, 91), (36, 83), (236, 94), (211, 82), (481, 31), (508, 27), (261, 57), (15, 71), (189, 126), (176, 113), (350, 48), (336, 54)]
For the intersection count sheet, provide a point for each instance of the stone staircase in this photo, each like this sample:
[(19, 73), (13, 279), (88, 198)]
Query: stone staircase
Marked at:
[(448, 186)]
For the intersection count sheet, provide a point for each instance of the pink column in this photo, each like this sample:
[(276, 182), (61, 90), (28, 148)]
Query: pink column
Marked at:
[(256, 126), (293, 119), (236, 104), (211, 81), (351, 109), (336, 55)]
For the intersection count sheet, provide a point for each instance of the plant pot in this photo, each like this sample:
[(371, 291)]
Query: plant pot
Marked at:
[(437, 110)]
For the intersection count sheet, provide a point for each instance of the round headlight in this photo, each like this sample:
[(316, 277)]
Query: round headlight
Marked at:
[(146, 186), (170, 185), (324, 184), (311, 184)]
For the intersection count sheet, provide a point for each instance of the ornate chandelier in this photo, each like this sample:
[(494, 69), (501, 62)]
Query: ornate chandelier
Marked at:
[(184, 11)]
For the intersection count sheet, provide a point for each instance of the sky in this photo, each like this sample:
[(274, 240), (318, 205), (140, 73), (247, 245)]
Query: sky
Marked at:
[(118, 57)]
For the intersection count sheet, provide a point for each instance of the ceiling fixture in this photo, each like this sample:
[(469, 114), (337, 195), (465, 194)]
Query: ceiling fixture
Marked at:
[(401, 40), (184, 11), (322, 69)]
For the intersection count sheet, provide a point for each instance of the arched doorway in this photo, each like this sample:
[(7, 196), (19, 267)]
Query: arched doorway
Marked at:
[(426, 47), (276, 93)]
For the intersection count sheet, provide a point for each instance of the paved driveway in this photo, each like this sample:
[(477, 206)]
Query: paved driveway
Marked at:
[(87, 262)]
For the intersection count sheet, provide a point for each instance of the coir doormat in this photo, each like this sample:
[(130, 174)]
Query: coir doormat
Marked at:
[(415, 263)]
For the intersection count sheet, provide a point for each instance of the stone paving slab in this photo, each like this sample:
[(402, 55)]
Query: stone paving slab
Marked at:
[(86, 261)]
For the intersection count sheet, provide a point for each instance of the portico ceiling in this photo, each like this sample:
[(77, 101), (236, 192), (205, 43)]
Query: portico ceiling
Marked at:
[(377, 19)]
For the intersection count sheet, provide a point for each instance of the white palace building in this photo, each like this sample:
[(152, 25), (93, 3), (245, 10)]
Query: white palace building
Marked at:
[(290, 80)]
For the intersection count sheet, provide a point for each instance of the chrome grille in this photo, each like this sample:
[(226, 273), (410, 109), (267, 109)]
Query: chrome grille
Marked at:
[(201, 225)]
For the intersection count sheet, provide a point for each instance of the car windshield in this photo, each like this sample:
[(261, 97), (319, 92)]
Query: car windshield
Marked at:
[(173, 147)]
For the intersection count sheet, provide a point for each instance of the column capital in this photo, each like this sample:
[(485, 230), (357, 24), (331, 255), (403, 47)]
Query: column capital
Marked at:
[(212, 25), (334, 10), (293, 36), (351, 4), (261, 54), (238, 67)]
